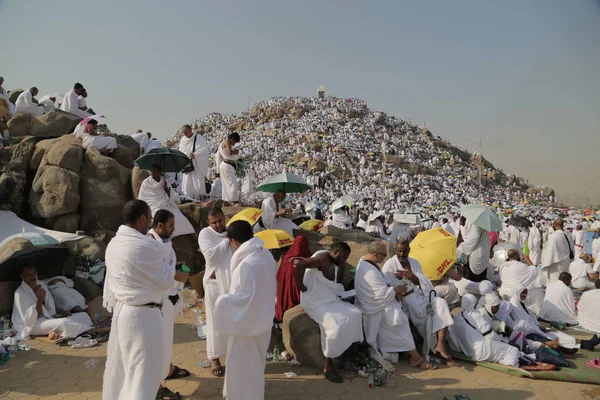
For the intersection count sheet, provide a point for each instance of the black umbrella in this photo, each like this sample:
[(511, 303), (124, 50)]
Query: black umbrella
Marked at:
[(520, 222), (42, 258)]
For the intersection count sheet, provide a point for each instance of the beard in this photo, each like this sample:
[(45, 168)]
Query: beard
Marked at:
[(219, 229)]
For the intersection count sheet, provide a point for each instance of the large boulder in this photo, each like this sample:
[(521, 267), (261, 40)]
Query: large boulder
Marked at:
[(67, 153), (130, 143), (58, 191), (53, 124), (187, 251), (302, 337), (19, 124), (14, 94), (123, 156), (40, 150), (87, 247), (105, 190), (66, 223), (137, 177), (13, 180)]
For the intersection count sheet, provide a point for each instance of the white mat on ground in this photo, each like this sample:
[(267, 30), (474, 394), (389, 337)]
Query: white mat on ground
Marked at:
[(11, 224)]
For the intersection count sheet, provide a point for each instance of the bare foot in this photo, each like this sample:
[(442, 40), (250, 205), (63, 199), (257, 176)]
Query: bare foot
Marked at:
[(53, 336)]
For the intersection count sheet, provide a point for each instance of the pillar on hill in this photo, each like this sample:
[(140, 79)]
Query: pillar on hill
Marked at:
[(321, 92)]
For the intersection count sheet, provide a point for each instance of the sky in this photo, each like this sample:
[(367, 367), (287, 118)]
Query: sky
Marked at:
[(524, 73)]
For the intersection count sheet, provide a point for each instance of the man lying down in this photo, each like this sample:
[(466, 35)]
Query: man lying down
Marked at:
[(34, 312)]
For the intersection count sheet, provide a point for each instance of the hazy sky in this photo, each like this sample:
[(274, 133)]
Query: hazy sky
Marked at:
[(526, 73)]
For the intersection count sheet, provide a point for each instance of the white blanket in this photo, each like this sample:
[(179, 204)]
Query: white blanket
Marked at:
[(588, 310), (559, 304), (153, 193), (193, 183)]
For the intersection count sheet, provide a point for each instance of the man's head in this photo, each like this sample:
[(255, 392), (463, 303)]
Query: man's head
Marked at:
[(92, 125), (524, 294), (377, 251), (149, 135), (139, 131), (234, 137), (214, 175), (279, 196), (444, 221), (186, 130), (164, 223), (78, 88), (137, 215), (558, 224), (239, 232), (339, 252), (29, 275), (586, 258), (34, 91), (402, 249), (463, 221), (579, 227), (156, 172), (1, 80), (216, 220), (513, 255), (565, 277)]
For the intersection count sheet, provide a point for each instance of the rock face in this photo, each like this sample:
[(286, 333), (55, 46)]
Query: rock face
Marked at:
[(14, 94), (302, 337), (18, 125), (13, 181), (137, 177), (54, 124)]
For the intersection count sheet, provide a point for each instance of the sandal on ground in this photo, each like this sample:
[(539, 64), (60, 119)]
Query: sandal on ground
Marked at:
[(217, 370), (447, 360), (178, 373), (333, 377), (423, 364), (164, 393)]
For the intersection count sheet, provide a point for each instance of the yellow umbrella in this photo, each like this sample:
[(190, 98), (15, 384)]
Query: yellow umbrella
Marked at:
[(250, 215), (312, 225), (275, 238), (435, 250)]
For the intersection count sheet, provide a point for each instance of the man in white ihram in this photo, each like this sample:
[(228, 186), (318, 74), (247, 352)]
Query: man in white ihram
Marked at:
[(246, 314), (274, 215), (217, 251), (556, 253), (476, 246), (26, 103), (403, 270), (193, 145), (70, 102), (579, 239), (137, 277), (582, 274), (514, 273), (535, 244), (142, 139), (159, 195), (559, 302)]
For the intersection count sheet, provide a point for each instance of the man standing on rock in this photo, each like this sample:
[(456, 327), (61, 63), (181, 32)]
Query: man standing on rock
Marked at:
[(217, 252), (193, 145), (137, 277)]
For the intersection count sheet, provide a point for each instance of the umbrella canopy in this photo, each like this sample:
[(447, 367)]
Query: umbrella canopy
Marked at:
[(290, 183), (312, 225), (36, 239), (520, 222), (344, 201), (170, 160), (275, 238), (43, 258), (435, 250), (482, 217), (501, 253), (250, 215)]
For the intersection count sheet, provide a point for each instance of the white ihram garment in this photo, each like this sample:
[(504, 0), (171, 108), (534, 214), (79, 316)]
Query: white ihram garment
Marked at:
[(246, 314), (193, 184), (416, 302), (169, 310), (64, 296), (588, 310), (473, 336), (385, 324), (217, 252), (11, 106), (555, 256), (559, 304), (136, 274), (230, 187), (515, 273), (99, 142), (579, 271), (26, 105), (579, 241), (153, 193), (535, 245), (27, 321), (142, 139), (340, 322), (271, 221), (477, 247), (70, 104)]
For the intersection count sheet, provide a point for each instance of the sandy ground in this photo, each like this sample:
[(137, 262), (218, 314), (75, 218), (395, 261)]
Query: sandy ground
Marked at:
[(48, 371)]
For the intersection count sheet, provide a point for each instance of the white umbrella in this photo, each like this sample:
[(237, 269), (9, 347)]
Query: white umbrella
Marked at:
[(375, 215), (344, 201)]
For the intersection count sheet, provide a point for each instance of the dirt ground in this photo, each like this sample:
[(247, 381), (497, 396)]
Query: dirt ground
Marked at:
[(49, 371)]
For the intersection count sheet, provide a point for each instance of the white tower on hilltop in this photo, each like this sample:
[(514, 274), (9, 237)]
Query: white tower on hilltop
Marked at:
[(321, 92)]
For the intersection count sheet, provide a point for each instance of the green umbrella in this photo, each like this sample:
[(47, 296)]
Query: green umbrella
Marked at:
[(289, 182), (482, 217), (169, 159)]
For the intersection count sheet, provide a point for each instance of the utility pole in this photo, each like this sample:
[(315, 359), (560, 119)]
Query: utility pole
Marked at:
[(480, 144), (248, 102)]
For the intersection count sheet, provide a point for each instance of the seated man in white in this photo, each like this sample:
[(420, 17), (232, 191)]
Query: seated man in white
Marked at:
[(158, 194), (273, 216), (34, 312), (216, 188), (402, 270), (48, 102), (340, 219), (473, 336), (589, 310), (91, 139), (583, 276), (64, 295), (385, 325), (27, 103), (514, 272), (559, 303), (70, 102), (340, 322)]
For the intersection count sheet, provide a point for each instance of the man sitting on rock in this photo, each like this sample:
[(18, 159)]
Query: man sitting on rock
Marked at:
[(70, 102), (90, 138), (340, 322), (158, 194), (274, 213), (34, 312), (26, 103)]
